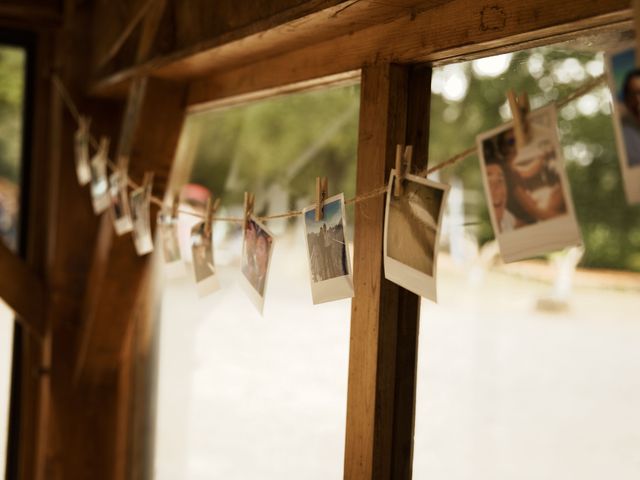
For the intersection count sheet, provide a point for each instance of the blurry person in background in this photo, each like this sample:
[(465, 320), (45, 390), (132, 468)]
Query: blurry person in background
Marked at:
[(631, 117), (498, 189)]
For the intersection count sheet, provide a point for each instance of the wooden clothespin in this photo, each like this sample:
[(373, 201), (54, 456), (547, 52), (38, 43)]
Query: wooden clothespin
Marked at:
[(84, 123), (175, 206), (404, 157), (103, 148), (322, 189), (249, 201), (210, 211), (147, 183), (519, 110)]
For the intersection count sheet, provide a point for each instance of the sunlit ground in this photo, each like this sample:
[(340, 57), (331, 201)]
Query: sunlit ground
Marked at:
[(505, 391), (6, 347)]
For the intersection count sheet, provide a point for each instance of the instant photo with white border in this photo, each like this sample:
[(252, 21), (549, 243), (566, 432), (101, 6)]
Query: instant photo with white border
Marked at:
[(169, 244), (81, 144), (339, 286), (247, 285), (100, 198), (141, 233), (120, 211), (414, 279), (626, 127), (204, 269), (543, 235)]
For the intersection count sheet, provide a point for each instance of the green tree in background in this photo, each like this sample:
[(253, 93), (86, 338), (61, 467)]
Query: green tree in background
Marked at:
[(12, 65), (290, 140)]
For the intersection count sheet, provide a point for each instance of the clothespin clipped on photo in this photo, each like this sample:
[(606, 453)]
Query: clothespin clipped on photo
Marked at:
[(103, 146), (175, 205), (249, 201), (519, 110), (84, 123), (210, 211), (322, 189), (404, 158), (147, 183)]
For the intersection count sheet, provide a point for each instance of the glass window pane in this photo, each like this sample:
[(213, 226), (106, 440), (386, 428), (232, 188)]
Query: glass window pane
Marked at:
[(12, 81), (530, 370), (242, 395)]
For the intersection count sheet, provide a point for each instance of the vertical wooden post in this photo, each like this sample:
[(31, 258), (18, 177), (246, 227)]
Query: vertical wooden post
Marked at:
[(394, 109)]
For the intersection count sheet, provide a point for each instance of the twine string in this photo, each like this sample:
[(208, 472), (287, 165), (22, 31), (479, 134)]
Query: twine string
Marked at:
[(75, 113)]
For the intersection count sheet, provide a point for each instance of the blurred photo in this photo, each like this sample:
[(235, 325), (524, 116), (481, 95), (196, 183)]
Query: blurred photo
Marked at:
[(527, 190), (524, 186), (141, 222), (99, 185), (81, 145), (256, 256), (202, 255), (328, 253), (168, 228), (412, 230), (624, 82), (120, 212)]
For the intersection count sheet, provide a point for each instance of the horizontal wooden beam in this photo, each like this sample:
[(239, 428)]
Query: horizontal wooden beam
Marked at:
[(309, 48), (454, 30), (308, 23), (22, 290)]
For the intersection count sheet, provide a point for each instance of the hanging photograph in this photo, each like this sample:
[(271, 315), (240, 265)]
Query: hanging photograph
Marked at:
[(120, 212), (99, 184), (203, 266), (81, 144), (140, 217), (411, 232), (329, 264), (257, 246), (624, 81), (527, 191), (169, 243)]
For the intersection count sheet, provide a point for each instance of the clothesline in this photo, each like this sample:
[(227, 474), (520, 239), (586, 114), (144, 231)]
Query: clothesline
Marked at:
[(75, 113)]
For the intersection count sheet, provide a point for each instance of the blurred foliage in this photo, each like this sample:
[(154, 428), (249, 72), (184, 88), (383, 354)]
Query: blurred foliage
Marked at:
[(289, 140), (12, 65)]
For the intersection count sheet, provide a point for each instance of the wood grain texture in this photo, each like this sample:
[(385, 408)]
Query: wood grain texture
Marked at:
[(117, 273), (22, 290), (203, 44), (385, 317), (455, 30)]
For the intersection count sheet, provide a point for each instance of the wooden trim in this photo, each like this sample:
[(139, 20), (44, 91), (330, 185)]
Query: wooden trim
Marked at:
[(394, 109), (432, 32), (22, 290), (440, 34)]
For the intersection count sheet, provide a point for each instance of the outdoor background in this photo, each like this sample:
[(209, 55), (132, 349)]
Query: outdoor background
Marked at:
[(525, 371)]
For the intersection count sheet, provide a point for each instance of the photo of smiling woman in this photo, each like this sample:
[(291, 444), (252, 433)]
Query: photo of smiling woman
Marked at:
[(527, 189)]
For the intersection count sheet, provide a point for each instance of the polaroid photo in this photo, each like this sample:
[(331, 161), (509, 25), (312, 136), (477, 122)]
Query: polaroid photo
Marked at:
[(624, 81), (412, 226), (329, 265), (202, 255), (257, 246), (140, 218), (170, 244), (81, 146), (527, 191), (99, 184), (120, 211)]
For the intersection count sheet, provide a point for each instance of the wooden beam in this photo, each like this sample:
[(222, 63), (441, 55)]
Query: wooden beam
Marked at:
[(117, 273), (232, 38), (448, 31), (22, 290), (394, 108)]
